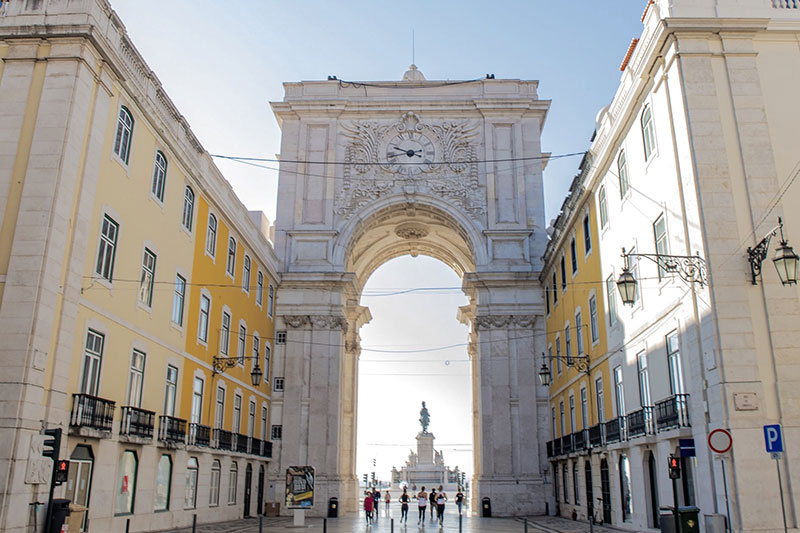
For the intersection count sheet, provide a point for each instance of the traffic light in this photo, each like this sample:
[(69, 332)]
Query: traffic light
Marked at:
[(674, 467), (366, 479), (373, 478), (61, 472), (52, 443)]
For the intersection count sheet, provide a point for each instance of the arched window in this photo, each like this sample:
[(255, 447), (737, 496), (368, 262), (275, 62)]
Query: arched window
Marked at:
[(231, 256), (246, 274), (648, 132), (122, 140), (625, 487), (188, 208), (211, 235), (126, 487), (159, 176), (233, 481), (163, 482), (213, 498), (622, 172), (190, 496)]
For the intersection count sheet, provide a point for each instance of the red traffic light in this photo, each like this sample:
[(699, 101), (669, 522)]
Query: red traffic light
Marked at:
[(673, 462), (61, 472), (62, 465)]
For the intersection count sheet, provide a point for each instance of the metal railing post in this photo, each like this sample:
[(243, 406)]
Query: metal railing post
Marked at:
[(194, 523)]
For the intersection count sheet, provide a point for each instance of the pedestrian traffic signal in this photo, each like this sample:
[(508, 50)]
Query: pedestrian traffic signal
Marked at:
[(674, 467), (61, 472), (52, 443)]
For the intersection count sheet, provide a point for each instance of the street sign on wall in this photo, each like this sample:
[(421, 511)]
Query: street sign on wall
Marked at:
[(300, 487)]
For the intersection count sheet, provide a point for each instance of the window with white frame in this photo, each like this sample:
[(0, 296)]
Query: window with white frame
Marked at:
[(213, 498), (259, 288), (622, 174), (126, 485), (584, 408), (188, 208), (225, 333), (211, 235), (572, 423), (674, 363), (561, 418), (124, 135), (558, 354), (163, 483), (136, 379), (256, 349), (573, 255), (240, 352), (568, 344), (579, 333), (190, 494), (251, 419), (600, 400), (107, 249), (233, 482), (170, 390), (602, 203), (202, 322), (587, 235), (92, 362), (159, 176), (553, 421), (611, 300), (231, 264), (246, 274), (644, 379), (280, 337), (237, 413), (263, 422), (178, 299), (219, 409), (267, 357), (547, 299), (563, 273), (662, 247), (276, 433), (270, 299), (555, 289), (278, 384), (619, 391), (648, 132), (147, 278), (593, 320), (197, 400)]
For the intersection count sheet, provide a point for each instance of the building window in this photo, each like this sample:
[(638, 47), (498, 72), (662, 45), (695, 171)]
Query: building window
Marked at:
[(246, 274), (270, 300), (211, 235), (170, 390), (202, 323), (276, 433), (197, 400), (219, 409), (603, 204), (263, 422), (146, 280), (267, 357), (553, 421), (558, 354), (547, 299), (126, 486), (648, 133), (122, 140), (237, 413), (625, 488), (563, 273), (188, 208), (573, 254), (593, 321), (575, 491), (674, 363), (572, 422), (619, 391), (190, 496), (225, 334), (584, 408), (611, 295), (136, 379), (601, 406), (568, 345), (622, 172), (579, 332), (177, 299), (561, 419), (644, 379), (279, 384), (159, 176), (242, 343), (555, 289), (107, 249), (231, 265), (280, 337), (213, 496), (256, 350), (660, 236), (92, 361), (565, 477), (259, 288), (251, 419), (233, 481), (587, 235), (163, 483)]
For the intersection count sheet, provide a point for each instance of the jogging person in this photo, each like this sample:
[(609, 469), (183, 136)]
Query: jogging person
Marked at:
[(422, 503), (432, 498), (388, 500), (368, 506), (404, 499), (441, 498)]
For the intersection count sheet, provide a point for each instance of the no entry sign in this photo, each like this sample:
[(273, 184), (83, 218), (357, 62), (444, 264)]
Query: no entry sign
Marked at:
[(720, 441)]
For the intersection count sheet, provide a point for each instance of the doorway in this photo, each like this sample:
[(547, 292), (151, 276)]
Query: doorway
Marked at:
[(260, 492), (248, 481), (587, 470), (605, 487), (653, 490), (79, 480)]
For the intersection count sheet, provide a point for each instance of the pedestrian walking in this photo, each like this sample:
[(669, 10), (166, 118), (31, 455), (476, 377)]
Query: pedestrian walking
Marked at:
[(432, 498), (376, 503), (441, 498), (404, 499), (368, 503), (459, 500), (388, 500), (422, 503)]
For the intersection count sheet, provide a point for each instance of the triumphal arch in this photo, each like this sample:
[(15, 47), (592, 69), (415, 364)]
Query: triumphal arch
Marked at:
[(375, 170)]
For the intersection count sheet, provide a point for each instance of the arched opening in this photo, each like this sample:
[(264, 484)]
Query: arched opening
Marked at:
[(652, 491), (414, 350)]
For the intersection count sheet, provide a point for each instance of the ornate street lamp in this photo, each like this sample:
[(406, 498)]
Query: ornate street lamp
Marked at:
[(786, 260), (544, 374), (626, 284), (690, 268), (221, 364)]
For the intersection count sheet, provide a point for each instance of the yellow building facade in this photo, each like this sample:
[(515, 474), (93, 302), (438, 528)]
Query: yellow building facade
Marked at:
[(580, 395)]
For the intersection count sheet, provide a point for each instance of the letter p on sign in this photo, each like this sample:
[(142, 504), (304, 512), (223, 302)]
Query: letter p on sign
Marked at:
[(773, 438)]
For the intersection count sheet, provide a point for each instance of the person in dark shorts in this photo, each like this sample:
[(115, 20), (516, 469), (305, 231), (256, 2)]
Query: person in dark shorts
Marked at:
[(441, 498), (422, 502), (404, 499), (432, 498), (459, 500)]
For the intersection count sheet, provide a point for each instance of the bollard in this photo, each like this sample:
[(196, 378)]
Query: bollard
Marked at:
[(526, 525), (127, 525), (324, 525), (260, 523), (392, 525), (194, 523), (459, 523)]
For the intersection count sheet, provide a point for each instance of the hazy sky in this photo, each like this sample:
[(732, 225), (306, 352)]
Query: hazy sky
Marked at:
[(223, 62)]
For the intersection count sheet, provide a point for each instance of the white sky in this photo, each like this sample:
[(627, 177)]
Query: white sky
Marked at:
[(223, 62)]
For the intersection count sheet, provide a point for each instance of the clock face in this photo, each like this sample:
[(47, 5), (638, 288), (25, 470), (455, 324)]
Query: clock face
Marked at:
[(410, 153)]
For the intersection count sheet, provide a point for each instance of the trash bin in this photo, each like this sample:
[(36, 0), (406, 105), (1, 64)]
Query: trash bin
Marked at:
[(666, 519), (486, 507), (333, 507), (273, 509), (688, 518), (59, 511), (715, 523), (76, 514)]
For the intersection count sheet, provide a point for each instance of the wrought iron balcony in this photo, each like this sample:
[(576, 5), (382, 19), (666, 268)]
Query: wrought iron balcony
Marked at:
[(640, 422), (137, 422), (558, 449), (266, 449), (567, 444), (673, 412), (550, 448), (240, 442), (255, 446), (579, 440), (171, 429), (92, 412), (615, 430), (223, 440), (199, 435), (596, 435)]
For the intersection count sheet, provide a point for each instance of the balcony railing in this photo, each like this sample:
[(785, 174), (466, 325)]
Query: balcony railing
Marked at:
[(92, 412), (266, 449), (640, 422), (171, 429), (240, 442), (550, 449), (558, 449), (137, 422), (567, 444), (673, 412), (579, 440), (199, 435), (222, 439), (596, 435), (615, 430)]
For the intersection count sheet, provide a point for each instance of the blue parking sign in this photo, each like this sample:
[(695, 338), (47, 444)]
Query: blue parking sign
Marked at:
[(773, 438)]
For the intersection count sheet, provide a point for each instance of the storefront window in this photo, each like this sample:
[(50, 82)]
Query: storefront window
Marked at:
[(126, 487), (190, 496), (163, 478), (625, 488)]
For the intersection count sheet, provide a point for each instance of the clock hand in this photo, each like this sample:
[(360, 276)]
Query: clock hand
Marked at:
[(398, 148)]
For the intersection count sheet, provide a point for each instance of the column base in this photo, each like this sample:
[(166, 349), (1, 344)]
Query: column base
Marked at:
[(510, 496)]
